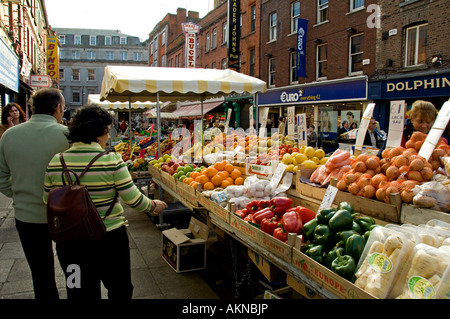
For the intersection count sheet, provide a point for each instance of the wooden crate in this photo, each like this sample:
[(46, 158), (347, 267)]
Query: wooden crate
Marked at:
[(213, 208), (416, 215), (154, 172), (169, 181), (187, 192)]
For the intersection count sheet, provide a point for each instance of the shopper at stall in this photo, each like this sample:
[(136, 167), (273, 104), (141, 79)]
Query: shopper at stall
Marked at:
[(12, 115), (106, 260), (421, 118), (25, 151), (343, 129), (311, 136), (281, 126), (353, 126), (372, 139)]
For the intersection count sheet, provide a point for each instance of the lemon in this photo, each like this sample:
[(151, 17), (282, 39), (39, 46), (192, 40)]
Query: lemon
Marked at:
[(320, 153), (290, 168), (323, 160), (302, 149), (315, 160), (300, 158), (287, 158), (309, 151), (309, 164)]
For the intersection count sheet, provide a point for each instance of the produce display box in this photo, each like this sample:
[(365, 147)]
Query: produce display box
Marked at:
[(140, 174), (213, 207), (270, 271), (166, 197), (331, 281), (371, 207), (169, 181), (187, 192), (154, 172), (299, 287), (411, 214), (183, 253), (262, 171), (245, 228)]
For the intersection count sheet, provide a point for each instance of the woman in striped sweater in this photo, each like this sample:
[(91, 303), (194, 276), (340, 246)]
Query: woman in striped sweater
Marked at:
[(106, 260)]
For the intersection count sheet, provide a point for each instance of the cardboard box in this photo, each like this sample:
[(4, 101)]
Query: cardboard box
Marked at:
[(270, 271), (278, 294), (262, 171), (183, 253)]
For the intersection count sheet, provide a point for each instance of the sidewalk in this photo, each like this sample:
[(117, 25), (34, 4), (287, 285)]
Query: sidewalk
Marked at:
[(152, 277)]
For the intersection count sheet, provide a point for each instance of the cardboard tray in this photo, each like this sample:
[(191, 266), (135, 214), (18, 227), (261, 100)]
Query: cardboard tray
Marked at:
[(213, 208)]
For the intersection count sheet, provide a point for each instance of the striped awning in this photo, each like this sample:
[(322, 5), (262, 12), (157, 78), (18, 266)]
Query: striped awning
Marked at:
[(122, 83), (95, 98), (151, 114)]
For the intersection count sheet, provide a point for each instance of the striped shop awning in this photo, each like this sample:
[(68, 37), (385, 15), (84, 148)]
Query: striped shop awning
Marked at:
[(151, 114), (122, 106)]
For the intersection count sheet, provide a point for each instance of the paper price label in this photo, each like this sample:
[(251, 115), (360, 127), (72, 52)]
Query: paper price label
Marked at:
[(328, 198), (396, 124), (302, 135), (363, 127), (277, 175)]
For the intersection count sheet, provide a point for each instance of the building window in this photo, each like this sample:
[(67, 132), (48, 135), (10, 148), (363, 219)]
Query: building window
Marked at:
[(123, 40), (75, 74), (252, 62), (208, 40), (224, 33), (224, 64), (76, 97), (62, 54), (92, 40), (214, 39), (91, 74), (356, 4), (295, 14), (77, 40), (163, 38), (273, 26), (252, 18), (213, 65), (293, 68), (272, 70), (107, 40), (321, 65), (322, 11), (75, 55), (356, 53), (62, 39), (416, 42), (109, 55), (91, 55), (123, 56), (61, 75), (137, 56), (163, 61)]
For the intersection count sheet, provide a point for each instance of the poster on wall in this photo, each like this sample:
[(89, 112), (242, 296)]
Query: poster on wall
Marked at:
[(353, 117), (328, 121)]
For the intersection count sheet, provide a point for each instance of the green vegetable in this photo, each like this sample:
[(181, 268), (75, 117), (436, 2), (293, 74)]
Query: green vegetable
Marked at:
[(342, 236), (308, 228), (365, 223), (354, 246), (341, 220), (317, 253), (344, 266), (332, 255), (347, 206), (325, 215), (322, 234), (356, 227)]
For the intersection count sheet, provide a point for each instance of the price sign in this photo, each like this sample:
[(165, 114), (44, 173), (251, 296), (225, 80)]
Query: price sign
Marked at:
[(302, 134), (227, 124), (396, 124), (363, 128), (436, 131), (264, 116), (291, 120), (328, 198), (250, 110), (277, 175)]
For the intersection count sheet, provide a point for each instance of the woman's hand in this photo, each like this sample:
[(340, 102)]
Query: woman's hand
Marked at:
[(10, 121), (157, 207)]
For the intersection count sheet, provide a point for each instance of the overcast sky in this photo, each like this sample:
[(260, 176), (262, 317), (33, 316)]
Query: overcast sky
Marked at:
[(133, 17)]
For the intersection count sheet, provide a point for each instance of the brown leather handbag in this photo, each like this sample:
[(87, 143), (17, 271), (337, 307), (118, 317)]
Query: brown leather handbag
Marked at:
[(71, 214)]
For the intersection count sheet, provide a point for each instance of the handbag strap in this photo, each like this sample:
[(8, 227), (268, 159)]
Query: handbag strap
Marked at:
[(69, 180)]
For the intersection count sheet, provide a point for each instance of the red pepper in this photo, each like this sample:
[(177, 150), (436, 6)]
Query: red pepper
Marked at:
[(269, 225), (241, 213), (304, 212), (263, 213), (292, 222), (252, 206), (280, 233), (263, 204), (249, 218), (280, 205)]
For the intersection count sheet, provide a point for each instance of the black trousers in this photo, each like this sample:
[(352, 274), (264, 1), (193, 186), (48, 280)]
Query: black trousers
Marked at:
[(37, 246), (88, 263)]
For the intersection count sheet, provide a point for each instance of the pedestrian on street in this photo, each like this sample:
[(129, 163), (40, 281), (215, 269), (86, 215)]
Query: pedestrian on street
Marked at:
[(25, 151), (105, 260), (12, 115)]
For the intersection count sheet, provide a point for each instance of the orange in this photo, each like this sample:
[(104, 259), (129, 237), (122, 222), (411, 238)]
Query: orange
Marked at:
[(239, 181), (208, 186), (235, 174), (203, 171), (194, 175), (211, 171), (188, 180), (230, 180), (219, 166), (202, 179), (194, 185), (225, 183), (229, 168), (223, 174), (216, 180)]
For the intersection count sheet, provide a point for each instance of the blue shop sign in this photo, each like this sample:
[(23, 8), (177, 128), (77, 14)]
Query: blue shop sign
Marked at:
[(331, 91), (9, 67)]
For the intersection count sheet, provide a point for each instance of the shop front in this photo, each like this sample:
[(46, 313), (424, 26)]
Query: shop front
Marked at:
[(326, 105), (9, 74)]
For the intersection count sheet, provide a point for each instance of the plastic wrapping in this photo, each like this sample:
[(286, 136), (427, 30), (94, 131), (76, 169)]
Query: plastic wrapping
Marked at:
[(439, 224), (428, 236), (259, 188), (432, 195), (383, 256), (423, 273), (441, 233)]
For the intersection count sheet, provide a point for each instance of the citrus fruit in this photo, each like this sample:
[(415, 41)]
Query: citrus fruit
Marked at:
[(219, 166), (208, 186), (309, 164), (225, 183), (235, 174), (229, 168), (216, 180), (202, 179), (309, 151), (300, 158), (239, 181), (211, 171), (319, 153), (188, 180)]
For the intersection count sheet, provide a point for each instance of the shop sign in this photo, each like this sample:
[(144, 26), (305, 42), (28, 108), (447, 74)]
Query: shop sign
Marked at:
[(333, 91), (417, 87), (40, 81), (302, 27), (53, 57), (234, 32), (190, 30), (9, 67)]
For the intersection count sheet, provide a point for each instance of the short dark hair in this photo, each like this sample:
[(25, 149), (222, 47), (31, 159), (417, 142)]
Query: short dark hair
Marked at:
[(45, 101), (88, 123), (7, 108)]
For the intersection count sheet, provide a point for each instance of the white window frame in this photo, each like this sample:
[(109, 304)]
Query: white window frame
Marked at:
[(91, 55), (78, 92), (272, 72), (123, 40), (75, 55), (92, 40), (417, 46), (224, 33), (108, 40), (110, 55), (253, 18), (75, 71), (273, 26), (137, 56), (208, 40), (214, 39), (62, 39), (356, 4), (163, 38), (77, 40), (224, 64), (322, 11), (351, 54), (294, 16), (319, 62), (293, 79), (91, 72), (62, 76), (124, 56)]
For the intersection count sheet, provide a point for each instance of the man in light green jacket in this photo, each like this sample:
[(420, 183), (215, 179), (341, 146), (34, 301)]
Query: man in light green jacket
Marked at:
[(25, 151)]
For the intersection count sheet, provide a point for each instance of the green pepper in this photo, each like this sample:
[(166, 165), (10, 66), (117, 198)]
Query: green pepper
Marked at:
[(341, 220), (354, 246), (342, 236), (308, 228), (325, 215), (347, 206), (356, 227), (322, 234), (332, 255), (365, 223), (344, 266), (317, 253)]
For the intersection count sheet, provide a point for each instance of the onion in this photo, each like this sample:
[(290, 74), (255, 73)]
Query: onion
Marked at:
[(360, 166), (353, 188), (427, 173), (369, 191), (372, 163), (407, 196), (381, 194), (392, 173), (342, 185), (415, 176), (417, 165)]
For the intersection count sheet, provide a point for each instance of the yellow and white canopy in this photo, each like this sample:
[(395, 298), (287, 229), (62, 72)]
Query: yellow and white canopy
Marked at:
[(135, 83), (119, 106)]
